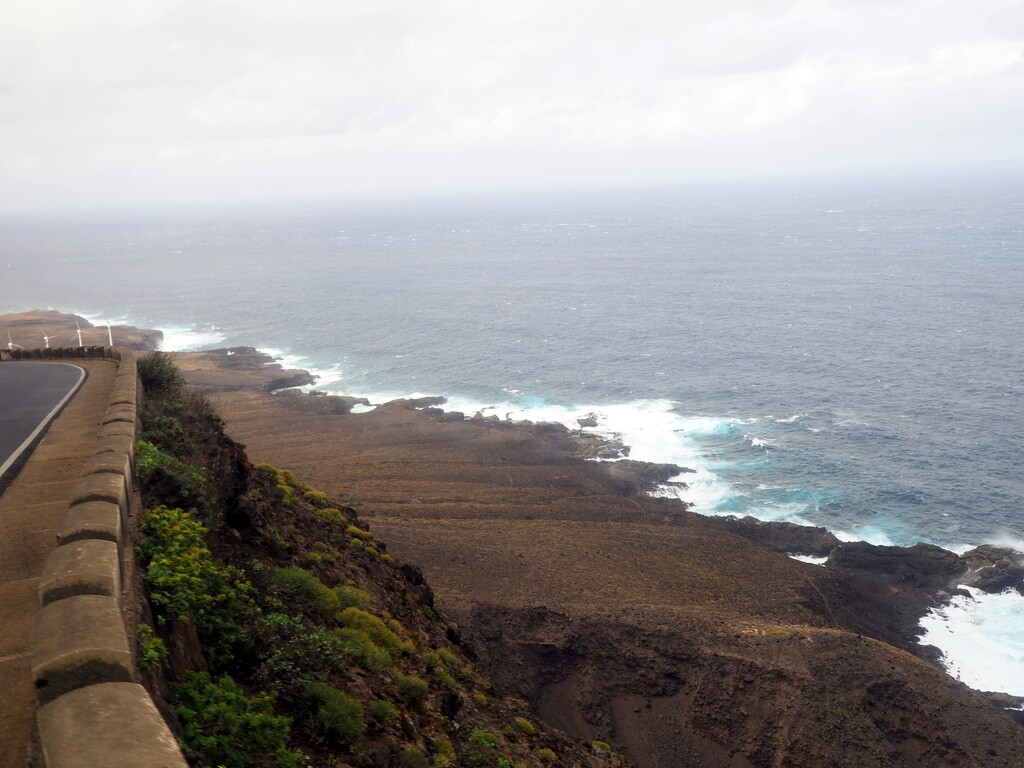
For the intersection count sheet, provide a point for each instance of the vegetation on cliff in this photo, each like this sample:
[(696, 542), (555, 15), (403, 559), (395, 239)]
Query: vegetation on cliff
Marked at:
[(285, 634)]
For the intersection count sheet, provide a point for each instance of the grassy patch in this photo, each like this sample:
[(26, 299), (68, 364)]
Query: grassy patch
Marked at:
[(304, 592), (352, 597), (412, 689), (334, 714), (331, 515), (376, 630)]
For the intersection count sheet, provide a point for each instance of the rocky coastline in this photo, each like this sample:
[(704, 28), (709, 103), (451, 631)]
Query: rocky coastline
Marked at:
[(928, 575), (680, 639)]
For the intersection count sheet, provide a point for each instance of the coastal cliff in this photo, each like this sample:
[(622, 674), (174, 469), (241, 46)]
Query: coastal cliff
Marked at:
[(679, 640)]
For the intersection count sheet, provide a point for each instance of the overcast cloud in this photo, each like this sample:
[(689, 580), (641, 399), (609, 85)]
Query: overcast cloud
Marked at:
[(148, 102)]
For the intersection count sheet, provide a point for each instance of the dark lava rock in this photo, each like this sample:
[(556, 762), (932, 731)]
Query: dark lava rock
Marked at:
[(612, 449), (922, 565), (787, 538), (994, 569), (638, 477), (587, 421), (320, 402), (442, 415), (296, 379)]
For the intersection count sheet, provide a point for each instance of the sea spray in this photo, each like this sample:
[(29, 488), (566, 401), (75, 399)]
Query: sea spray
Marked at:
[(981, 637)]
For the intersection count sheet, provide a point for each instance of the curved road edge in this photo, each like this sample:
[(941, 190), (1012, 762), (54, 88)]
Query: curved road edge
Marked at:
[(9, 469)]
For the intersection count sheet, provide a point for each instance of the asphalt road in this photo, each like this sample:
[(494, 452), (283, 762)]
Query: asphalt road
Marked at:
[(31, 395)]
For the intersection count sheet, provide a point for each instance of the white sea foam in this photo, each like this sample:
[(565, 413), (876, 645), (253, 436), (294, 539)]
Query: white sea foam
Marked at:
[(982, 639), (868, 533), (652, 430), (810, 559), (179, 338), (325, 376), (790, 419)]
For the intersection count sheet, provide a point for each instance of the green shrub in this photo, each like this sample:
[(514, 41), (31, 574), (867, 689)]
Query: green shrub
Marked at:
[(168, 481), (167, 433), (526, 726), (152, 650), (352, 597), (159, 374), (316, 498), (382, 712), (354, 618), (601, 747), (396, 626), (412, 689), (450, 658), (362, 651), (359, 533), (373, 551), (481, 749), (413, 757), (185, 583), (388, 559), (334, 714), (482, 739), (546, 755), (304, 592), (439, 670), (224, 727), (290, 654), (331, 515), (442, 753)]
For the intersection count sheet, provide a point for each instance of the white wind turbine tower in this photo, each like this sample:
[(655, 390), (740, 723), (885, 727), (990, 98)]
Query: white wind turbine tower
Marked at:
[(46, 338), (110, 333), (79, 334), (10, 343)]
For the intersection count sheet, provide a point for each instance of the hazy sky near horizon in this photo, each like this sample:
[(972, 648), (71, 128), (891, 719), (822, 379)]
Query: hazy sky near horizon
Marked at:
[(151, 102)]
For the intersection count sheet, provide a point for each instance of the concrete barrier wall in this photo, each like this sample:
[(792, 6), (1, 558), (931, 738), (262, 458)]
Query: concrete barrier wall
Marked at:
[(92, 710)]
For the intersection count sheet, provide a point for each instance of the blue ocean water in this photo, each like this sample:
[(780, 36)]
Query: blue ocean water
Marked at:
[(843, 354), (839, 353)]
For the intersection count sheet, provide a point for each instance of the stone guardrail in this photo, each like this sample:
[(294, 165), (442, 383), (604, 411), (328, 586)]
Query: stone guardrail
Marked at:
[(92, 711)]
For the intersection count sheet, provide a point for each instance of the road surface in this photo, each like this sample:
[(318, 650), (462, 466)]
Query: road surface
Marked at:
[(31, 395)]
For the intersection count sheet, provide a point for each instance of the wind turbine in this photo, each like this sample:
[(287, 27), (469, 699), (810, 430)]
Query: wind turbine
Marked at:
[(78, 333), (110, 333), (47, 339), (10, 343)]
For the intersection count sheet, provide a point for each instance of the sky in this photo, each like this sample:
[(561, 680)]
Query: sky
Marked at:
[(127, 103)]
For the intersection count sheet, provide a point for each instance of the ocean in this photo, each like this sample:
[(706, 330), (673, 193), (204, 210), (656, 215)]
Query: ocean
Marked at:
[(839, 352)]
